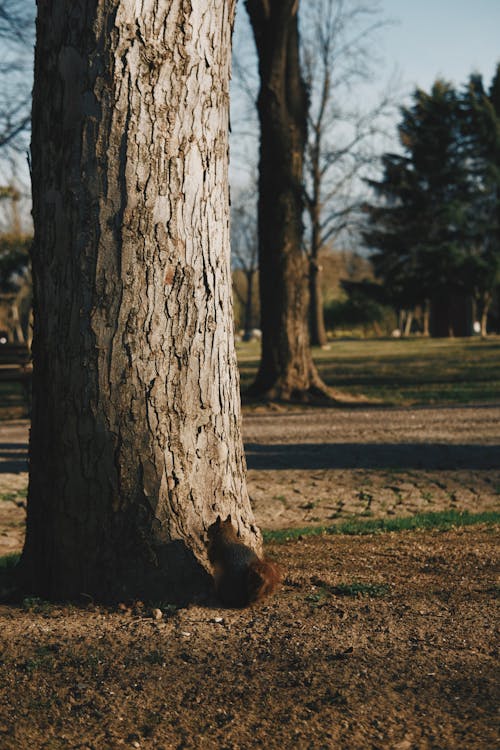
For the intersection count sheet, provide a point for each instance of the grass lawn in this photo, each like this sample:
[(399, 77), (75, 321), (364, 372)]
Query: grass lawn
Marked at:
[(403, 371), (393, 371)]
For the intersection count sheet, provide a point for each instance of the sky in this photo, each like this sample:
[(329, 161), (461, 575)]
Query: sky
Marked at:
[(423, 40), (428, 38), (445, 38)]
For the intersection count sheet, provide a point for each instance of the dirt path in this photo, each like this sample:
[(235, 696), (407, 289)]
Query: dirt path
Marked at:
[(384, 642), (323, 465), (319, 466), (411, 664)]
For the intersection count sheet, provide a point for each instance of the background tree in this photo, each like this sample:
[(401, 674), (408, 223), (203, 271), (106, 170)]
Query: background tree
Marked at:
[(15, 276), (16, 40), (435, 226), (481, 135), (397, 234), (418, 227), (286, 369), (343, 138), (363, 309), (244, 253), (135, 443)]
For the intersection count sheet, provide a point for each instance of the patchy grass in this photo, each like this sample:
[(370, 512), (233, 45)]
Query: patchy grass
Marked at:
[(14, 496), (9, 562), (357, 588), (354, 589), (323, 591), (402, 371), (443, 521)]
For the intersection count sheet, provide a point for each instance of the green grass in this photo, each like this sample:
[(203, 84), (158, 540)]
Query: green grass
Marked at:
[(14, 495), (442, 521), (402, 371), (8, 562), (353, 589)]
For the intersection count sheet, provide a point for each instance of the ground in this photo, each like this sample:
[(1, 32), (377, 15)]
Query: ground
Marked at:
[(375, 641)]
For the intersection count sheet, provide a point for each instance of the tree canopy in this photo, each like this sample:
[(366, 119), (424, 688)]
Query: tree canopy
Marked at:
[(434, 227)]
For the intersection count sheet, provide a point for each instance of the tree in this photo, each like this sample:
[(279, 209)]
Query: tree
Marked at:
[(16, 37), (245, 251), (436, 226), (481, 135), (135, 443), (15, 277), (418, 226), (286, 369), (337, 41)]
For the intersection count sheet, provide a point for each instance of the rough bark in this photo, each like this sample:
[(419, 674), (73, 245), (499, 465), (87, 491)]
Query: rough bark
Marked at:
[(135, 444), (316, 314), (286, 369), (249, 323), (316, 308)]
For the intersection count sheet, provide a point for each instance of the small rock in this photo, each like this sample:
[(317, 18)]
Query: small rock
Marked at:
[(157, 614)]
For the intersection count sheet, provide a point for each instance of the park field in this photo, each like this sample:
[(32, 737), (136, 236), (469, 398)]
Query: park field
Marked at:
[(386, 371), (383, 515), (402, 371)]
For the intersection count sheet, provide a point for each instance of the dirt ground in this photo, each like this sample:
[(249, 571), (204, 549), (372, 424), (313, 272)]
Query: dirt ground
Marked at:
[(380, 641)]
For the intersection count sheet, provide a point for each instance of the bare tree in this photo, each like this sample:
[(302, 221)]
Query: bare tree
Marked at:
[(245, 250), (16, 61), (135, 444), (343, 143), (15, 276)]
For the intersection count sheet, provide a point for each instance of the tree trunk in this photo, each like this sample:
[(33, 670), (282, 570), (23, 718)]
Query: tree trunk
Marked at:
[(401, 320), (135, 444), (426, 318), (485, 308), (286, 368), (317, 330), (408, 323), (248, 325), (316, 312)]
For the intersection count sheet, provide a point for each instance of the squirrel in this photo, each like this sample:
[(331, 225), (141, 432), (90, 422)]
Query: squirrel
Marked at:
[(241, 577)]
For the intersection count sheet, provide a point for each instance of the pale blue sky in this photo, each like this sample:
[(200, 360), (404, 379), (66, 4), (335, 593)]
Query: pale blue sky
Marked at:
[(430, 38), (425, 39), (446, 38)]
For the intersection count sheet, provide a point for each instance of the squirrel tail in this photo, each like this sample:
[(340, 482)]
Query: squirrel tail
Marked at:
[(263, 578)]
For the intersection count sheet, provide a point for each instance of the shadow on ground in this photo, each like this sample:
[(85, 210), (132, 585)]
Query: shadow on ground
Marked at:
[(13, 458), (371, 456)]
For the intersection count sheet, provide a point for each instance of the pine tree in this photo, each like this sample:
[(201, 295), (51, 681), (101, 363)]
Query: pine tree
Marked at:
[(417, 229), (481, 135)]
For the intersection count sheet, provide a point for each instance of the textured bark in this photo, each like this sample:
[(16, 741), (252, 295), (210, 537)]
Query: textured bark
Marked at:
[(286, 369), (249, 322), (316, 308), (135, 444), (316, 314)]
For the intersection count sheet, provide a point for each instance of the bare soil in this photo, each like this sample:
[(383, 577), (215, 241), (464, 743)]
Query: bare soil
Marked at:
[(380, 641)]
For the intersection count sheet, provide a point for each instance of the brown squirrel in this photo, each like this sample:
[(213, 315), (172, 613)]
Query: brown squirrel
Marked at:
[(241, 577)]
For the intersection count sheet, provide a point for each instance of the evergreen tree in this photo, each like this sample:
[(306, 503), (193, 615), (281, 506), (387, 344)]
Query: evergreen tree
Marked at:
[(434, 226), (481, 134)]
